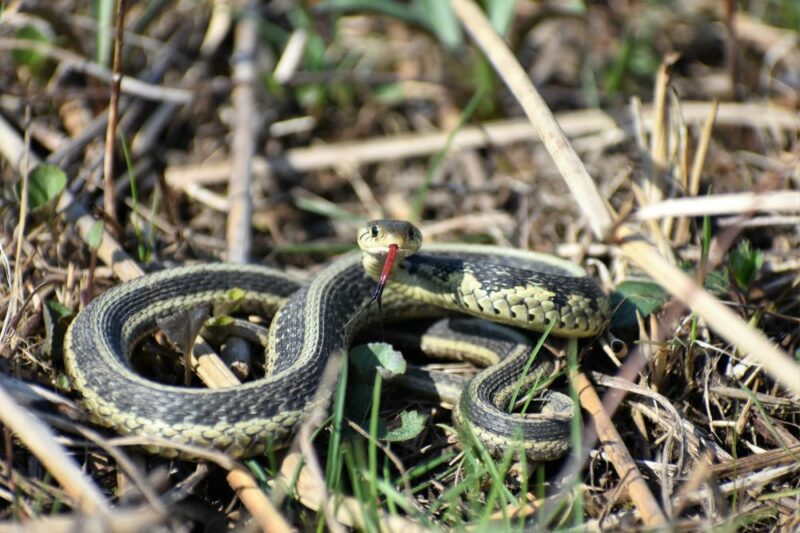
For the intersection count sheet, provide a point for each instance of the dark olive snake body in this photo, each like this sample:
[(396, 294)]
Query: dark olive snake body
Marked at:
[(312, 325)]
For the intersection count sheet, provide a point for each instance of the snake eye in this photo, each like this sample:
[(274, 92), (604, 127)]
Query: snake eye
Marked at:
[(374, 231), (411, 233)]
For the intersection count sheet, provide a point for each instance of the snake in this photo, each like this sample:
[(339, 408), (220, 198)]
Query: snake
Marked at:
[(315, 321)]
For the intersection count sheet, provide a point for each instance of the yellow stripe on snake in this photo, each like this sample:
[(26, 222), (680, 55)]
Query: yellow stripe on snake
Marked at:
[(314, 322)]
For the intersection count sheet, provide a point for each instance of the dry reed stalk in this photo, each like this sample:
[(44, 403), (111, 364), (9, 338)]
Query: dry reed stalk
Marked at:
[(620, 457), (576, 124), (240, 204), (693, 187), (73, 61), (42, 443), (754, 343), (109, 198), (209, 367)]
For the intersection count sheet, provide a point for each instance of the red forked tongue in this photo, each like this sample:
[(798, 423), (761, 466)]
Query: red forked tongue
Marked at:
[(387, 269), (387, 266)]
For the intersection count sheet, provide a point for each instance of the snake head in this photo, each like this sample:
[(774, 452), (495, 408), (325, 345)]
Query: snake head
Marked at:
[(377, 236)]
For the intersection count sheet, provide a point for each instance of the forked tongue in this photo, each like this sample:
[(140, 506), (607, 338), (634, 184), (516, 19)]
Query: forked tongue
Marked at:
[(384, 278), (387, 269)]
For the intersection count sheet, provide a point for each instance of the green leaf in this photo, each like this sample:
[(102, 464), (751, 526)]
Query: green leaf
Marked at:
[(411, 425), (327, 209), (377, 357), (219, 321), (58, 310), (62, 382), (95, 237), (438, 159), (235, 294), (631, 295), (358, 400), (391, 94), (434, 15), (309, 96), (231, 303), (32, 59), (399, 10), (366, 360), (103, 10), (500, 12), (45, 183), (745, 264), (718, 281), (439, 15)]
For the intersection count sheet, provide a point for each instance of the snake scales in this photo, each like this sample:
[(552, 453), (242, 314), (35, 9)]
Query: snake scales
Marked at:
[(314, 322)]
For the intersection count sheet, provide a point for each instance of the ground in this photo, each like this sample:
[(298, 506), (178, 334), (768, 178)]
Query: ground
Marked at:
[(267, 132)]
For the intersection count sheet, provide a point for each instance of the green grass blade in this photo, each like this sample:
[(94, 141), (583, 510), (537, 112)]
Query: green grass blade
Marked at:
[(333, 467), (576, 432), (528, 365), (372, 445)]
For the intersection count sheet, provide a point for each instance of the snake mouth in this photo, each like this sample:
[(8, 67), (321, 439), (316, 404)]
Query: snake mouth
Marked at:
[(382, 251)]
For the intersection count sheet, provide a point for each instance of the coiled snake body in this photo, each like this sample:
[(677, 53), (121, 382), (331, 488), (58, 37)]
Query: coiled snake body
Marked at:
[(313, 323)]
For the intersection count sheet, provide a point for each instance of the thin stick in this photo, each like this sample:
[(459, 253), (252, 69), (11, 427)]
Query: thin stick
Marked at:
[(718, 204), (693, 187), (137, 519), (659, 140), (16, 284), (620, 457), (302, 440), (132, 86), (732, 48), (262, 509), (348, 510), (110, 251), (109, 200), (38, 438), (726, 323), (125, 268), (495, 133), (716, 314), (240, 480), (569, 164), (243, 149), (217, 28)]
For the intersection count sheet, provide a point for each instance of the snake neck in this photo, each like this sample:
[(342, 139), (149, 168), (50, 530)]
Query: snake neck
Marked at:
[(423, 284), (373, 265)]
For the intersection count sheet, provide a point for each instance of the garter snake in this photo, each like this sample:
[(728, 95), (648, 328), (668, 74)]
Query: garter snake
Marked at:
[(314, 322)]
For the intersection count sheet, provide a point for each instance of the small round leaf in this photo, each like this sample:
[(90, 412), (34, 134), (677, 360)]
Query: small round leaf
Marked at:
[(28, 57), (95, 237), (45, 183)]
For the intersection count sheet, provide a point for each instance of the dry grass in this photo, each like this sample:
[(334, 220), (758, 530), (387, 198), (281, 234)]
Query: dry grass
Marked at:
[(263, 133)]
